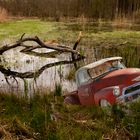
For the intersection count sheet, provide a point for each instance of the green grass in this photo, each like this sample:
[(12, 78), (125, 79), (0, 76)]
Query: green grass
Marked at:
[(18, 27), (46, 30), (62, 30)]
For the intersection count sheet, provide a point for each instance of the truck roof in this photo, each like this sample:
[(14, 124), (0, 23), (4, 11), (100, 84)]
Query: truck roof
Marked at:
[(99, 62)]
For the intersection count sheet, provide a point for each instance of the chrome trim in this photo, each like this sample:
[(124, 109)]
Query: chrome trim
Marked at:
[(124, 96), (134, 92), (136, 79)]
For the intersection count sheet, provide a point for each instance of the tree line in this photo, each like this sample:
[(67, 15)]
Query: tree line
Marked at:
[(92, 9)]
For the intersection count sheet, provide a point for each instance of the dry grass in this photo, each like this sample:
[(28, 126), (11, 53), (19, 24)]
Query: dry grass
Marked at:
[(122, 22), (3, 14), (44, 118), (8, 132)]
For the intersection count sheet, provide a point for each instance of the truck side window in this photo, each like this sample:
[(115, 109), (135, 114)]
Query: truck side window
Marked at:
[(83, 77)]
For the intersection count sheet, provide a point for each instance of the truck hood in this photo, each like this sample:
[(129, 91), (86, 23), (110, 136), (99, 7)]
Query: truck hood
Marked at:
[(124, 77)]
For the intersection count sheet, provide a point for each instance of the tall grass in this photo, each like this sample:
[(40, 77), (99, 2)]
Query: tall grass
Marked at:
[(43, 118)]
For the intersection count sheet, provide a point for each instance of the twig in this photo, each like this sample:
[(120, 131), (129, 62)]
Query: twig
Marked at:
[(22, 36)]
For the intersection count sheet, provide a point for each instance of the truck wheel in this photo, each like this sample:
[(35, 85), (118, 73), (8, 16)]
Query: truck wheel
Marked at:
[(71, 100), (104, 103)]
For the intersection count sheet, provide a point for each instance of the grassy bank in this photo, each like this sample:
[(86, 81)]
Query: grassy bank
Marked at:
[(47, 118), (68, 30), (15, 28)]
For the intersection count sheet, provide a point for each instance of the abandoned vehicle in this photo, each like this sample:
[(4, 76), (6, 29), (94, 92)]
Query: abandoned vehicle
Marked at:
[(104, 83)]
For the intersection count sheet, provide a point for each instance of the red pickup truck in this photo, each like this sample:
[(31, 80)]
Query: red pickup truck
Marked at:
[(104, 83)]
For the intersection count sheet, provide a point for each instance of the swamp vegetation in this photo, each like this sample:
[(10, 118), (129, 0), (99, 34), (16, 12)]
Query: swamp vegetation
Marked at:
[(99, 41), (42, 114)]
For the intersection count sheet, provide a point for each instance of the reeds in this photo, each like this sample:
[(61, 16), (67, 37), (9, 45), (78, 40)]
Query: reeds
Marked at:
[(3, 14)]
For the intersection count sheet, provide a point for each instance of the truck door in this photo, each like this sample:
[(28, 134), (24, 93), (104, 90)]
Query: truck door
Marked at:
[(85, 93), (85, 88)]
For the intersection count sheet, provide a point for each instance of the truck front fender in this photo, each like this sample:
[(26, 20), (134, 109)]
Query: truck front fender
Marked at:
[(106, 93)]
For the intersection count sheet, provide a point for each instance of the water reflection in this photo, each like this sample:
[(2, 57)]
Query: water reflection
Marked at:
[(26, 73), (95, 27)]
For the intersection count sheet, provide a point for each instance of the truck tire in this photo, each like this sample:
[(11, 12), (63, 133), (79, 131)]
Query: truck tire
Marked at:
[(71, 100), (104, 103)]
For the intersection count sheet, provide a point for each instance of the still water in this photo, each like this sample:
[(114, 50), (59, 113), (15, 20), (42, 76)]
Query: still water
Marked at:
[(20, 62)]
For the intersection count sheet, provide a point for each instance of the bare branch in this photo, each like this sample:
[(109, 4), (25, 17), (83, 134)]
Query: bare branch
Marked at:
[(58, 47), (52, 54), (74, 48), (22, 36), (77, 41), (8, 72)]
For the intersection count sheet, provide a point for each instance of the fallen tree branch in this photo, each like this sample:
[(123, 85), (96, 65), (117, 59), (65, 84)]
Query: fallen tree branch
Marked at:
[(75, 47), (8, 47), (77, 41), (52, 54), (41, 44), (37, 73), (28, 49)]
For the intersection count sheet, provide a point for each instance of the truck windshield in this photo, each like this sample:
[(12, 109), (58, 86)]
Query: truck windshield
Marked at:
[(104, 68)]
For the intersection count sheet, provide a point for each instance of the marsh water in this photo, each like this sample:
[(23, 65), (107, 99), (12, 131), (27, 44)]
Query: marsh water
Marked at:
[(21, 62), (46, 81)]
